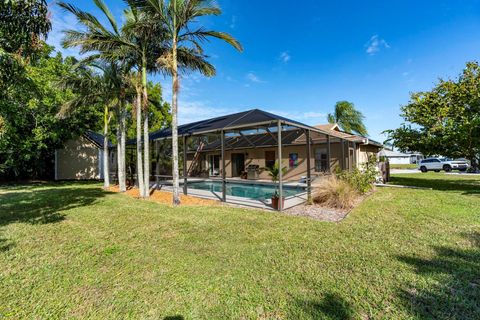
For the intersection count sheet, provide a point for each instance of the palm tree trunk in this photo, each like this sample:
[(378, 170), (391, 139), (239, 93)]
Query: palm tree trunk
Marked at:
[(121, 150), (176, 184), (146, 144), (106, 175), (138, 105)]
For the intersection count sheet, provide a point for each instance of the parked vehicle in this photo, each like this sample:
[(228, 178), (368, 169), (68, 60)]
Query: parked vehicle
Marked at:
[(438, 164)]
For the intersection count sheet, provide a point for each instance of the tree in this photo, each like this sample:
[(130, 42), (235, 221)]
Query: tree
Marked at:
[(348, 118), (444, 121), (23, 24), (97, 84), (111, 44), (31, 131), (184, 39)]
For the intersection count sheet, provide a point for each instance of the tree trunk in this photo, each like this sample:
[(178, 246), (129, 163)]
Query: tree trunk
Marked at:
[(138, 105), (176, 184), (146, 142), (121, 150), (106, 175)]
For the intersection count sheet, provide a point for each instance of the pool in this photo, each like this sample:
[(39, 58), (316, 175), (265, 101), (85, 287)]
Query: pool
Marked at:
[(245, 190)]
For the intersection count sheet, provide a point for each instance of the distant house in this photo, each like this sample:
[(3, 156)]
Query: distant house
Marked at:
[(82, 158), (395, 157)]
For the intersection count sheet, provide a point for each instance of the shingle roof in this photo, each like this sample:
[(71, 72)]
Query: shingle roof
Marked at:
[(97, 138)]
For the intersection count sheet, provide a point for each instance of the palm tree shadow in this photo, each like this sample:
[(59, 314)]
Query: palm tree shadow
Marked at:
[(46, 204), (456, 292), (332, 306)]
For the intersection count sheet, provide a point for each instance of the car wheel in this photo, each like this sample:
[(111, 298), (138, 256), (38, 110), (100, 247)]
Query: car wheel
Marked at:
[(423, 169), (447, 168)]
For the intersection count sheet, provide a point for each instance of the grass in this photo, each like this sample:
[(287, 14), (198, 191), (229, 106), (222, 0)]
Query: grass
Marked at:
[(403, 166), (73, 251)]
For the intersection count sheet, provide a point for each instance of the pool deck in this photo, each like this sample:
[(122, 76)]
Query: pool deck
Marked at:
[(290, 201)]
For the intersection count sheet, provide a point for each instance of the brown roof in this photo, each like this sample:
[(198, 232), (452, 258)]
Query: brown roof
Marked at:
[(327, 127)]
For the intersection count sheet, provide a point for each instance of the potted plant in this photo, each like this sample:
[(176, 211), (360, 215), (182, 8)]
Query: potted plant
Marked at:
[(274, 173)]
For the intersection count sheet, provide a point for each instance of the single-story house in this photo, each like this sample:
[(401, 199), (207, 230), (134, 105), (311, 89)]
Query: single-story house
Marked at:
[(259, 150), (395, 157), (82, 158)]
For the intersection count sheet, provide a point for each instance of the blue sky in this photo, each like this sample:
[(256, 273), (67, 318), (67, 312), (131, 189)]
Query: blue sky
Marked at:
[(302, 57)]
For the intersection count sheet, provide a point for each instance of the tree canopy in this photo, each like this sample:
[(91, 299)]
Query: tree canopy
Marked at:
[(444, 121), (30, 128)]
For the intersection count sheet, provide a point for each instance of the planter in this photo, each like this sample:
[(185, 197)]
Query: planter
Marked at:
[(275, 202)]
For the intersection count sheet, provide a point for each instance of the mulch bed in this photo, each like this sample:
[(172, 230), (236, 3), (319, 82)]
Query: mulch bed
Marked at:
[(318, 213), (164, 197)]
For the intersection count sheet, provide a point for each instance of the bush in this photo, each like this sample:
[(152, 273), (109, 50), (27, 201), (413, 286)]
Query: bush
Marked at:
[(361, 180), (335, 193)]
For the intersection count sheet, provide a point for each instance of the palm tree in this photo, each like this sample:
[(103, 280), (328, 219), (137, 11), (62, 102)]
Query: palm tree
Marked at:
[(113, 44), (94, 84), (178, 17), (348, 118)]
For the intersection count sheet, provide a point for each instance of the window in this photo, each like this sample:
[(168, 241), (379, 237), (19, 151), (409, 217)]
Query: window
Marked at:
[(321, 160), (269, 159)]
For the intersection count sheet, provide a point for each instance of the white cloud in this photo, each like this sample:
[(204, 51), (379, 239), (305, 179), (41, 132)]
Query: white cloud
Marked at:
[(285, 57), (375, 44), (253, 77), (191, 111)]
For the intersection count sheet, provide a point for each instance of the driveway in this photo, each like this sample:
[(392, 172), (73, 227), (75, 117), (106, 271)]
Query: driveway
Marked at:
[(402, 171)]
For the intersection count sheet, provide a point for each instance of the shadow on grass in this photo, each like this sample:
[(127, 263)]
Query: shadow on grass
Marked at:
[(45, 204), (5, 245), (332, 306), (467, 186), (453, 291), (177, 317)]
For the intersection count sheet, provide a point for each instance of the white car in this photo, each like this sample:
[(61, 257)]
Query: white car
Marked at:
[(437, 164)]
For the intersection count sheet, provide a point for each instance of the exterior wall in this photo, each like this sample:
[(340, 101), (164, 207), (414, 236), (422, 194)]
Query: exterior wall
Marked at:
[(78, 160), (365, 151)]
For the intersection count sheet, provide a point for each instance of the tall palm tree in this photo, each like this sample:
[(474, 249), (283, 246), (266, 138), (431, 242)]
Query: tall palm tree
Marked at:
[(112, 44), (348, 118), (179, 17), (94, 84)]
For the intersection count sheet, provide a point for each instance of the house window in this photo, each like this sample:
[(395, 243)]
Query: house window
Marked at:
[(269, 159), (321, 160)]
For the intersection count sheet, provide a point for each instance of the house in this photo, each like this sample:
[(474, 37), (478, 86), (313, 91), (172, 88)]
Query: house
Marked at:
[(259, 150), (81, 158), (395, 157)]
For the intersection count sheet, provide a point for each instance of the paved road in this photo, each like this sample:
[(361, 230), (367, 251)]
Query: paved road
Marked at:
[(402, 171)]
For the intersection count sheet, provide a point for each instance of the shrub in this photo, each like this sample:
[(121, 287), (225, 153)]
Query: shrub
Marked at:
[(361, 180), (335, 193)]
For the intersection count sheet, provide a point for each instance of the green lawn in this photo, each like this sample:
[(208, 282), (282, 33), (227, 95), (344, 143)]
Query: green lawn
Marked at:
[(72, 251), (403, 166)]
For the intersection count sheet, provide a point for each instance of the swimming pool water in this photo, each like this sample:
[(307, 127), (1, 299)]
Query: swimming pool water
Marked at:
[(245, 190)]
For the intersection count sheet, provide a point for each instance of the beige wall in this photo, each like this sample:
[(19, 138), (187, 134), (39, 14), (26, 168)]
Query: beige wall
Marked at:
[(256, 156), (80, 160)]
